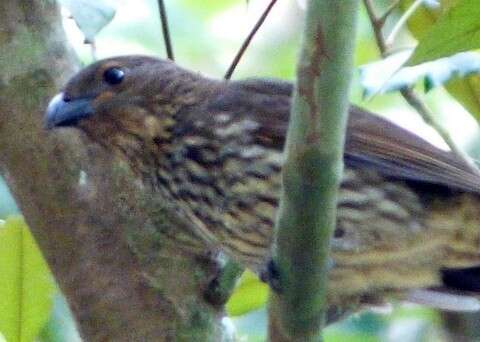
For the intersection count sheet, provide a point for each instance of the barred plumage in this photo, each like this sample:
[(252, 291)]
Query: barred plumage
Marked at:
[(214, 149)]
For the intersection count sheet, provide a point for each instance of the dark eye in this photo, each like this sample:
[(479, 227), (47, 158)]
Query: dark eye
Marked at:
[(113, 76)]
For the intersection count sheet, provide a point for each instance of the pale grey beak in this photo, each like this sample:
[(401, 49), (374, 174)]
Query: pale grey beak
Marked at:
[(66, 112)]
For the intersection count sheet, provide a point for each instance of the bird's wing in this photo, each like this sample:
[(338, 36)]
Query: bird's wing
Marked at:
[(395, 152), (371, 142)]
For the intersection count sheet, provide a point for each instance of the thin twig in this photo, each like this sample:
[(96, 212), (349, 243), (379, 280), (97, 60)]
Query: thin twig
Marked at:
[(427, 116), (247, 41), (165, 31), (93, 49), (410, 96), (390, 9), (376, 25), (402, 21), (221, 288)]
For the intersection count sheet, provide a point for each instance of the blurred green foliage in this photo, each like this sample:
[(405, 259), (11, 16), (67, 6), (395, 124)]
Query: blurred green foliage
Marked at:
[(464, 90), (7, 203), (61, 326), (26, 285), (206, 35), (250, 294), (455, 31)]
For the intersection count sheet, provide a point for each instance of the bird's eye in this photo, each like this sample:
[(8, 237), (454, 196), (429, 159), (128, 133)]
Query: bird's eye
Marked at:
[(113, 76)]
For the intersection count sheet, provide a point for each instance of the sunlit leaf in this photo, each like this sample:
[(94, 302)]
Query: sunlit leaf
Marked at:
[(467, 90), (425, 16), (250, 294), (26, 285), (431, 3), (386, 75), (90, 15), (379, 76), (445, 69), (455, 31)]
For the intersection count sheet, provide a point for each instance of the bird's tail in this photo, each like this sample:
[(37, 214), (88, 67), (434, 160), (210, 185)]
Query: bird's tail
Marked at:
[(459, 222), (460, 275), (443, 254)]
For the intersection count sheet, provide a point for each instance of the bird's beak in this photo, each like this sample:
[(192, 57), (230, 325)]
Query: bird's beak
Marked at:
[(63, 112)]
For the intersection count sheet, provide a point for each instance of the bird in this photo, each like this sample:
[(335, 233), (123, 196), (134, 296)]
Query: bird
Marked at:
[(408, 213)]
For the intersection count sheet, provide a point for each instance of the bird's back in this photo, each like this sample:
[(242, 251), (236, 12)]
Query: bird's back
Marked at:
[(406, 209)]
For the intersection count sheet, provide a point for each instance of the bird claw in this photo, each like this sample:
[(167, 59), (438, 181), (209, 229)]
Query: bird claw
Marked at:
[(270, 274)]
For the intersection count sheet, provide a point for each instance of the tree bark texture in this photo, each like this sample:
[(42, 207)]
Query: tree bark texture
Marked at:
[(100, 231), (312, 171)]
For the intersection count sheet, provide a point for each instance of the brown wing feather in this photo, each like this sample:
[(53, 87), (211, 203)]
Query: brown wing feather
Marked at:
[(371, 140), (396, 152)]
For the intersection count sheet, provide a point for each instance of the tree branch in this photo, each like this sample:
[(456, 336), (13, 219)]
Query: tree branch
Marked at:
[(165, 29), (247, 41), (105, 238), (313, 170)]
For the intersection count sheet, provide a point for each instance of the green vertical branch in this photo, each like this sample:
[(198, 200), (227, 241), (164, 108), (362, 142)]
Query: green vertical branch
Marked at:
[(313, 170)]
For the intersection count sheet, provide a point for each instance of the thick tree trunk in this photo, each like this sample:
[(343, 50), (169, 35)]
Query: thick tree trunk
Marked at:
[(100, 232)]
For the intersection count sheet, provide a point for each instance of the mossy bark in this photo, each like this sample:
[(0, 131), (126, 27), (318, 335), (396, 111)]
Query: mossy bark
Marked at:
[(313, 170), (100, 233)]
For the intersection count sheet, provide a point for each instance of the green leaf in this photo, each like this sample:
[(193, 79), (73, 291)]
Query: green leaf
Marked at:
[(466, 90), (455, 31), (386, 75), (91, 16), (250, 294), (26, 285)]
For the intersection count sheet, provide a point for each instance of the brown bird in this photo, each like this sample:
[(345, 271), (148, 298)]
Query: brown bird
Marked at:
[(408, 212)]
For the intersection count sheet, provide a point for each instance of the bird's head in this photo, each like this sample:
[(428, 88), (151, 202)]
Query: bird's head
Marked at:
[(127, 102)]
